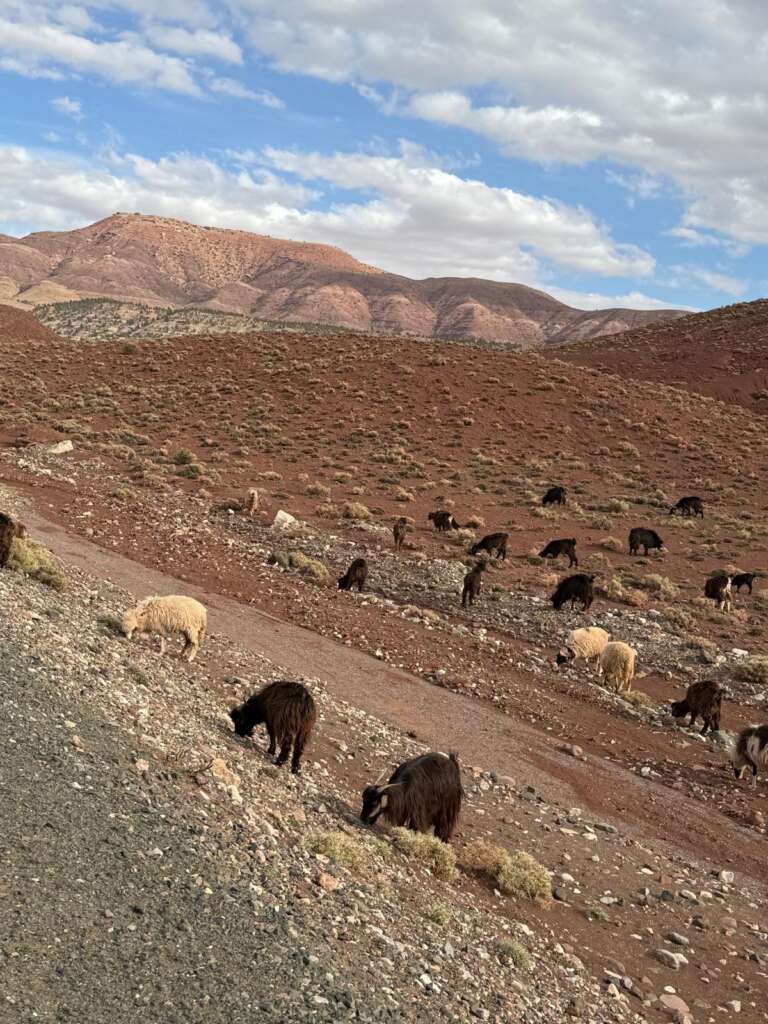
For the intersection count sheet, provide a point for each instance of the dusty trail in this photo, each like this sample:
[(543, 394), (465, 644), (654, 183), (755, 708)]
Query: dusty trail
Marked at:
[(441, 718)]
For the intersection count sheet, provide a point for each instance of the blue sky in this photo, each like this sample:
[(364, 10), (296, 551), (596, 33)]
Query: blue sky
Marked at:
[(609, 153)]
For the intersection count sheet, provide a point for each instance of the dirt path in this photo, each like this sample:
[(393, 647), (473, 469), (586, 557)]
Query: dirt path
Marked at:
[(442, 719)]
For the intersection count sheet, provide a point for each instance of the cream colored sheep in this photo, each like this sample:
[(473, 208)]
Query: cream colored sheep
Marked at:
[(617, 664), (166, 616), (587, 643)]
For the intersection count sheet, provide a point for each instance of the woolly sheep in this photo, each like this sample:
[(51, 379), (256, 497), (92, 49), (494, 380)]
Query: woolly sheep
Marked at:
[(617, 664), (166, 616), (587, 643)]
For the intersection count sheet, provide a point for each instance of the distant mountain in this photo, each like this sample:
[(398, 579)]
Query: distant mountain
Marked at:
[(722, 353), (166, 262)]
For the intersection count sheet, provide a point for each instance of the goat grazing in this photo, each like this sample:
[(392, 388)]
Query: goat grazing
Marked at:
[(640, 537), (399, 531), (566, 546), (422, 794), (443, 521), (744, 579), (688, 506), (578, 587), (587, 644), (10, 529), (355, 576), (554, 496), (617, 665), (167, 616), (704, 698), (718, 589), (493, 543), (289, 714), (751, 751), (472, 584)]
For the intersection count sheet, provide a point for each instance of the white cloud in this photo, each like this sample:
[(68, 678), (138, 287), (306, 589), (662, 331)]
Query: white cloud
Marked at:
[(424, 217), (712, 279), (677, 91), (230, 87), (122, 60), (197, 41), (69, 107), (629, 300)]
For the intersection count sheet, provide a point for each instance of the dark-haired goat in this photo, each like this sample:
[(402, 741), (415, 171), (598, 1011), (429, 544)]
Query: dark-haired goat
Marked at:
[(554, 496), (289, 714), (745, 579), (355, 576), (399, 531), (718, 589), (422, 794), (472, 584), (704, 699), (689, 506), (443, 521), (574, 588), (751, 751), (493, 543), (566, 546), (9, 530), (640, 537)]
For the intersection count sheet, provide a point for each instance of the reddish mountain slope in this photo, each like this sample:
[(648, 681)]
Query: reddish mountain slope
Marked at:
[(167, 262), (722, 353), (19, 325)]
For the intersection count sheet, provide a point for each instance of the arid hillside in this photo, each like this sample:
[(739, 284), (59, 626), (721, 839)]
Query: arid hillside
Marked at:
[(722, 353), (164, 262)]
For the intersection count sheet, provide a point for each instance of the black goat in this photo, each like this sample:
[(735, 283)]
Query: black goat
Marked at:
[(566, 546), (744, 579), (640, 537), (555, 496), (718, 589), (751, 751), (689, 506), (422, 794), (578, 587), (355, 576), (493, 543), (443, 521), (472, 583), (289, 713), (704, 698)]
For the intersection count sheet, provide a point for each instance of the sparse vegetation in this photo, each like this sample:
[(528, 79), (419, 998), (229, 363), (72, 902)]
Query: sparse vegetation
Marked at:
[(430, 851), (30, 558), (516, 874)]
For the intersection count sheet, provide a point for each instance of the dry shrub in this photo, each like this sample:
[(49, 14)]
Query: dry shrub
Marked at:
[(514, 952), (428, 850), (31, 559), (657, 584), (327, 510), (340, 848), (355, 510), (639, 699), (753, 670), (515, 874), (310, 568), (400, 494), (611, 544), (474, 522), (319, 490)]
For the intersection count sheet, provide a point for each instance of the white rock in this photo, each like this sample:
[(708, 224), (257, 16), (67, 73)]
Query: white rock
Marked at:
[(61, 448), (283, 520)]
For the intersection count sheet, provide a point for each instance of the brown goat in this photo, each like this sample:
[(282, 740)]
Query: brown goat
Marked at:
[(718, 589), (10, 529), (422, 794), (492, 543), (399, 531), (472, 584), (704, 698), (289, 714), (355, 576)]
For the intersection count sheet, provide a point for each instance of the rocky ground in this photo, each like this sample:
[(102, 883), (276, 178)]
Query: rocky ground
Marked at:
[(206, 894)]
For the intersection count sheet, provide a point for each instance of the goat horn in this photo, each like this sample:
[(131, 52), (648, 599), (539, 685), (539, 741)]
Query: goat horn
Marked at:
[(383, 773), (390, 785)]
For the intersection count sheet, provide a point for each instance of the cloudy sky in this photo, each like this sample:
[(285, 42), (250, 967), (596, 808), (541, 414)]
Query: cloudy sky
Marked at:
[(607, 151)]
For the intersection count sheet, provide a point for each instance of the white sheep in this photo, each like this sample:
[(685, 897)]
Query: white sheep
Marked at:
[(587, 643), (166, 616), (617, 664)]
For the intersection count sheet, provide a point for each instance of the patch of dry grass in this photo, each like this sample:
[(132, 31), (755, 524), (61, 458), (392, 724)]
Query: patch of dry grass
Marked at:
[(339, 847), (430, 851), (35, 561), (516, 874)]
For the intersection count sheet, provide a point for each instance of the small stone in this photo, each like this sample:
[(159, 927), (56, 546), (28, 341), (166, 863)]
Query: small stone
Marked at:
[(678, 939), (727, 877), (734, 1005), (572, 749), (328, 882), (673, 1004), (142, 767), (673, 960)]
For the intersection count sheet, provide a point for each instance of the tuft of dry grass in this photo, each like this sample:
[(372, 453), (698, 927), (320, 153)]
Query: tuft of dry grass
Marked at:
[(515, 874), (639, 699), (340, 848), (355, 510), (35, 561), (514, 952), (611, 544), (428, 850), (753, 670)]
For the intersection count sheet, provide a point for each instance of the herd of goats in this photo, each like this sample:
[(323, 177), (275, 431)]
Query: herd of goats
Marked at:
[(425, 792)]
